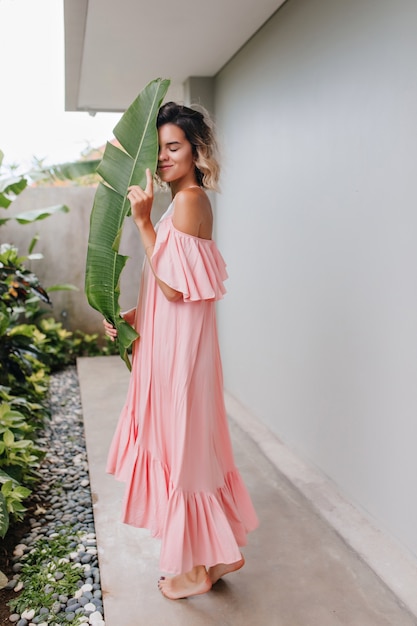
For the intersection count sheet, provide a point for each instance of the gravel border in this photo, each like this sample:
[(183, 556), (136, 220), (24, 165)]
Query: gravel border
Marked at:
[(64, 501)]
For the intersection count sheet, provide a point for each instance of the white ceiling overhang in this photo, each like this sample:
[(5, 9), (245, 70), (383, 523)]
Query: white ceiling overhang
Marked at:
[(114, 48)]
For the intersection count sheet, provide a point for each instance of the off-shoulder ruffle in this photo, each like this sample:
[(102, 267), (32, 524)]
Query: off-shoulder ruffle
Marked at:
[(188, 264), (199, 528)]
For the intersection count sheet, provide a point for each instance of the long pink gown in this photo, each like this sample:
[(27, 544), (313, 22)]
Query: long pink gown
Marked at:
[(172, 446)]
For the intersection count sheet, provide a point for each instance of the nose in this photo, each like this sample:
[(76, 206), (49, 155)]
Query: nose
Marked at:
[(162, 154)]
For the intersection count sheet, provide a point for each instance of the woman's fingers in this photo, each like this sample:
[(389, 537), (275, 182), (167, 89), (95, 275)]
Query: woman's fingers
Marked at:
[(110, 330), (136, 192), (149, 183)]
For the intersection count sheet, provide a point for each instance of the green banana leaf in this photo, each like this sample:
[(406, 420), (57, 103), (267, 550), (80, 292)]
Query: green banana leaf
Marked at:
[(64, 171), (137, 134), (4, 517), (12, 186), (35, 215)]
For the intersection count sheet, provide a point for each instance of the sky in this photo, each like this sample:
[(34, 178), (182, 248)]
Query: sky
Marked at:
[(33, 122)]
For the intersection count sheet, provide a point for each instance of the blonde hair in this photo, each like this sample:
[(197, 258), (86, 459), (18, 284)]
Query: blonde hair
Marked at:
[(198, 129)]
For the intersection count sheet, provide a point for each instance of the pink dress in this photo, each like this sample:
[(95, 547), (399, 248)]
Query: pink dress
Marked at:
[(172, 446)]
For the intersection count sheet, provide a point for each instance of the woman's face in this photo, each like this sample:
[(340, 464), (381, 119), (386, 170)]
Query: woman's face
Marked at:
[(175, 158)]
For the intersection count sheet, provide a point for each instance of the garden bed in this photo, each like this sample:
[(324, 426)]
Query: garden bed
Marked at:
[(59, 524)]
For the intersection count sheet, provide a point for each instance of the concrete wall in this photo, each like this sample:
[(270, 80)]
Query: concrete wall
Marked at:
[(317, 222), (63, 243)]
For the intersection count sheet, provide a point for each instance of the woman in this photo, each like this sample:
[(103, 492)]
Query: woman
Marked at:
[(172, 445)]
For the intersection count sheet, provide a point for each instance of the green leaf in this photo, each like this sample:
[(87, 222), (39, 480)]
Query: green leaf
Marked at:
[(4, 517), (21, 492), (33, 243), (8, 438), (22, 444), (63, 287), (22, 330), (65, 171), (7, 487), (10, 188), (39, 214), (16, 507), (4, 320), (4, 477), (35, 215), (137, 134)]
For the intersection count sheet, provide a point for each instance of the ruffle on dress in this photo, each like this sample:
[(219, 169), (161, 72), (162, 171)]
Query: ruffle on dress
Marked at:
[(188, 264), (195, 528)]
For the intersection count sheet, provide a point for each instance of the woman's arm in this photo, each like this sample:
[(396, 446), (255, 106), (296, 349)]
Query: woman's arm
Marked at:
[(141, 204)]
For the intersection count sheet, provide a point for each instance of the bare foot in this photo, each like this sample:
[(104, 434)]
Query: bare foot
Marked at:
[(221, 569), (184, 585)]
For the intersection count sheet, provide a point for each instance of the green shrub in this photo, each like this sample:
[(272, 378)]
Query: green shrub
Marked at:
[(19, 461), (31, 347)]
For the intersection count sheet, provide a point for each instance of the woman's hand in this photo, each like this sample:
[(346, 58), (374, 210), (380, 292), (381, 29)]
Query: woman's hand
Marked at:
[(141, 200), (110, 330)]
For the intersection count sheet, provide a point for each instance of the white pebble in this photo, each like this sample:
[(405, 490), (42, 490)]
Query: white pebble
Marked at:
[(19, 549), (89, 607), (28, 614), (3, 580), (19, 586), (86, 587)]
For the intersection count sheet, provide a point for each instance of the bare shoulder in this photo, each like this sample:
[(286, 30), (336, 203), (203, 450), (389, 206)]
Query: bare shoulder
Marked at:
[(192, 213)]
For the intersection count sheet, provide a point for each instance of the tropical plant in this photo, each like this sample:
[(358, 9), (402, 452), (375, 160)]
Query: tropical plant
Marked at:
[(34, 413), (21, 362), (12, 184), (120, 168), (61, 347), (18, 457), (30, 346), (19, 461), (12, 495)]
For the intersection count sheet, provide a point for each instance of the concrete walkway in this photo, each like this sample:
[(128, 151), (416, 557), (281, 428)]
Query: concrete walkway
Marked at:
[(299, 571)]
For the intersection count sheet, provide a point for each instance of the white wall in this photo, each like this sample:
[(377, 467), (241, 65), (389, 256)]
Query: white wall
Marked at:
[(318, 224)]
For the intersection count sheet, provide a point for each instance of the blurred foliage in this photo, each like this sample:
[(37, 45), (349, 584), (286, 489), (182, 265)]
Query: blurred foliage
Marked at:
[(32, 344)]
